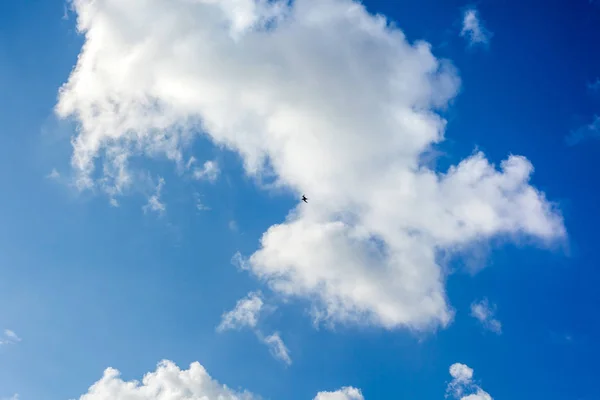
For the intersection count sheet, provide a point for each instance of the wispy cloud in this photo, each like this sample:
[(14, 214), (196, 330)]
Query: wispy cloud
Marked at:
[(245, 313), (154, 202), (277, 348), (54, 174), (199, 203), (209, 171), (484, 313), (9, 337), (594, 86), (473, 29), (589, 131)]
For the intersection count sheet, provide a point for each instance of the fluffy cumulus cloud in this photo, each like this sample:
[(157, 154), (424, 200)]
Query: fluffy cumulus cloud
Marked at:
[(346, 393), (169, 382), (473, 29), (462, 383), (330, 100), (484, 313)]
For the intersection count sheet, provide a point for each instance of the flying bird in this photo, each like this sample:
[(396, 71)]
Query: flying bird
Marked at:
[(304, 198)]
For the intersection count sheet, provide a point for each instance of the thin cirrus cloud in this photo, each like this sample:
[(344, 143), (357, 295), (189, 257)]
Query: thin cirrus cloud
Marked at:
[(277, 347), (169, 381), (155, 204), (585, 132), (245, 314), (484, 313), (9, 337), (473, 29), (594, 86), (284, 83), (590, 130)]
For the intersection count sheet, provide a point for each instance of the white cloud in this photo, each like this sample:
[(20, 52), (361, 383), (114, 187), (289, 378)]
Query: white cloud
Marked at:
[(200, 206), (12, 335), (462, 383), (210, 171), (13, 397), (589, 131), (54, 174), (346, 393), (278, 348), (9, 337), (245, 313), (170, 382), (335, 103), (154, 202), (473, 28), (484, 313)]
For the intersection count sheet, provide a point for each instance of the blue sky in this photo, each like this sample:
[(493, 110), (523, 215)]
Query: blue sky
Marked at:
[(85, 285)]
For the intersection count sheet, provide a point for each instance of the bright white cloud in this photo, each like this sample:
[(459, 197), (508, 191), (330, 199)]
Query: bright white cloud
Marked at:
[(170, 382), (332, 101), (462, 383), (473, 28), (245, 313), (277, 348), (167, 382), (154, 202), (346, 393), (484, 313)]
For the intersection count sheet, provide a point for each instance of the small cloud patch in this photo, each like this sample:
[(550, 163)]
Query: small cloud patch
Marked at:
[(473, 29), (484, 313)]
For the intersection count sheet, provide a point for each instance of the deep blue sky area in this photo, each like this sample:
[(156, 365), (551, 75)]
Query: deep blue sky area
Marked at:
[(88, 286)]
